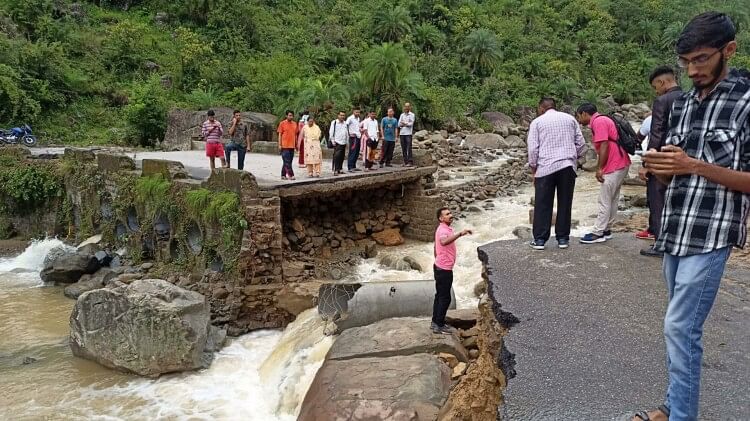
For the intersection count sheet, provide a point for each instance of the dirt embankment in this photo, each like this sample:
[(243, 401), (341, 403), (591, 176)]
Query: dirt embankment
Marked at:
[(12, 247)]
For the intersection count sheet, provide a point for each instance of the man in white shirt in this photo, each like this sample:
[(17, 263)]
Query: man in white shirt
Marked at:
[(371, 129), (338, 135), (406, 129), (352, 126)]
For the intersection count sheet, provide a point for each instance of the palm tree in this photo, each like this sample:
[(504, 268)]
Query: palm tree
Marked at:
[(322, 95), (388, 75), (392, 23), (428, 37), (384, 65), (482, 51)]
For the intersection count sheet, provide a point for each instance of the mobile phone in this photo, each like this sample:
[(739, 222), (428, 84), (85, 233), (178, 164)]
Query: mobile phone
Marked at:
[(639, 152)]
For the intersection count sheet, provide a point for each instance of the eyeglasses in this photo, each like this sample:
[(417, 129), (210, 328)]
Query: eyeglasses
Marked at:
[(699, 61)]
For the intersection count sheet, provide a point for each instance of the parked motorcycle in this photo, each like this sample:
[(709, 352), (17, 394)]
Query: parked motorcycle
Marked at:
[(18, 135)]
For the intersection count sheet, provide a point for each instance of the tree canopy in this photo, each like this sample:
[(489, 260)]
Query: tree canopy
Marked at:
[(107, 71)]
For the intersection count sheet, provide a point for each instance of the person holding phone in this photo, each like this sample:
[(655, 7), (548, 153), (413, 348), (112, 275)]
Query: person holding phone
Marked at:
[(211, 132), (705, 164)]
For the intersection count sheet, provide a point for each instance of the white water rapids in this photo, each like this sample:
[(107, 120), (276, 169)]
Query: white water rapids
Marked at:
[(261, 376)]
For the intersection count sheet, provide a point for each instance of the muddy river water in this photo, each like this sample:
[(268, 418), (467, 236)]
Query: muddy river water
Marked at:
[(263, 375)]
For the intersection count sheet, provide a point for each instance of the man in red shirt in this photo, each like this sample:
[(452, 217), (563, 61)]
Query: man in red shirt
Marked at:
[(614, 163), (288, 130), (445, 258)]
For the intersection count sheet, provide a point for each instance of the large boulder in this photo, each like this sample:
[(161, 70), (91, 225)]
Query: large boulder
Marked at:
[(395, 337), (67, 266), (484, 141), (513, 141), (148, 327), (183, 126), (412, 387), (500, 122), (89, 283)]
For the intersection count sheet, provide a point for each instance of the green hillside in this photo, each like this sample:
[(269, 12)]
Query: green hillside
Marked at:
[(106, 72)]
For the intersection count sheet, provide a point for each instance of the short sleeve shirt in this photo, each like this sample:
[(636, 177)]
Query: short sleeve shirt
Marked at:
[(389, 128), (445, 256), (240, 133), (288, 131), (604, 130)]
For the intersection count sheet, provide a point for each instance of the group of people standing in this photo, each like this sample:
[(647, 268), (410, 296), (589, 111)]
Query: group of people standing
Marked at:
[(697, 164), (349, 137)]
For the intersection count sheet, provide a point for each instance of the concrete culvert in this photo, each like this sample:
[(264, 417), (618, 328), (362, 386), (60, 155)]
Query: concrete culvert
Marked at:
[(174, 250), (148, 246), (106, 208), (120, 231), (194, 238), (162, 227), (216, 264), (355, 304), (132, 216)]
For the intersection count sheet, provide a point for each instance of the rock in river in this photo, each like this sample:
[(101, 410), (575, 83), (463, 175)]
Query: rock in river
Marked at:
[(64, 265), (148, 327)]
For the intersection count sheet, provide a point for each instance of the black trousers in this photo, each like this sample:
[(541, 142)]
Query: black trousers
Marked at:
[(563, 182), (443, 284), (387, 155), (406, 141), (655, 192), (339, 152)]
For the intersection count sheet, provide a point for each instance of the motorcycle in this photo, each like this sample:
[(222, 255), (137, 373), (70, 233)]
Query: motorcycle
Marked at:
[(18, 135)]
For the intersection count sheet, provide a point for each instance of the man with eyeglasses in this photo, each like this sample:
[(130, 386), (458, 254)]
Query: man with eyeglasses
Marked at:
[(706, 164)]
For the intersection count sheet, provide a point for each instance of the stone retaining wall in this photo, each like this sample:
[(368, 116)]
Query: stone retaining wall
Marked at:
[(243, 260)]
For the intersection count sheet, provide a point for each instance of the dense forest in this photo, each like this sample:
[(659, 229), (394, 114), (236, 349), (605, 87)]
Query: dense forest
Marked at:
[(107, 72)]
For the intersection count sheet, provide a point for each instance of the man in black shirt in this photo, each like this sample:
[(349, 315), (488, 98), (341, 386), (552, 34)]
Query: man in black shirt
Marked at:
[(665, 84)]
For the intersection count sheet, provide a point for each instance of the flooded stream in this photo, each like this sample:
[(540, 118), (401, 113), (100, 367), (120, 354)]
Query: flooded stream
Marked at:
[(261, 376)]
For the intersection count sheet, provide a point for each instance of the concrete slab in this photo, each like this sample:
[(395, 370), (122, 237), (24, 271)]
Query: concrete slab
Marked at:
[(589, 344), (265, 167)]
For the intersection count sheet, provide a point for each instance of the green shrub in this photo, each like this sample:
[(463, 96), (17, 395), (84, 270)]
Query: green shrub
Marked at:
[(28, 187), (147, 114)]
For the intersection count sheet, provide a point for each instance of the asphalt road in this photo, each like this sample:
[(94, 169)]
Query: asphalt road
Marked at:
[(589, 344)]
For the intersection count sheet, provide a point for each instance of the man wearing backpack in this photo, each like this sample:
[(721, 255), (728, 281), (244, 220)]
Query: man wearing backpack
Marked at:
[(614, 163)]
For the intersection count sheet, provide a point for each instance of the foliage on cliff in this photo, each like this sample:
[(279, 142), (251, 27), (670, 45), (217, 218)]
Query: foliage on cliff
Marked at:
[(106, 71)]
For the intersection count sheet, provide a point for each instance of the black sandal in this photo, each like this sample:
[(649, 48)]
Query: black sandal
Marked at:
[(644, 415)]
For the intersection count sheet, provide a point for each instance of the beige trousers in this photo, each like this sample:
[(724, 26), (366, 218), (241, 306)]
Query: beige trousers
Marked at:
[(609, 198), (313, 169)]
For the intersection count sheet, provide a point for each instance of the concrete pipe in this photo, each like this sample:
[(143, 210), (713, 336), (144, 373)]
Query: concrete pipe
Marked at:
[(359, 304)]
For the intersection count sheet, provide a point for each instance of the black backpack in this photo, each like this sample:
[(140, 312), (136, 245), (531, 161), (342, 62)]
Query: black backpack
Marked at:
[(626, 137)]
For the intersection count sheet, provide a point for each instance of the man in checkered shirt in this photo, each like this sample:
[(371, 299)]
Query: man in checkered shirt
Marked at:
[(554, 143), (706, 164)]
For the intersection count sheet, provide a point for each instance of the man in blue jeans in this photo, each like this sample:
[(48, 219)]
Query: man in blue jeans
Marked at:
[(706, 164)]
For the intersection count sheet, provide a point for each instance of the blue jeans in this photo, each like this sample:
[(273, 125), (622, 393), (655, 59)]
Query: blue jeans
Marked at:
[(351, 162), (287, 156), (692, 282), (241, 150)]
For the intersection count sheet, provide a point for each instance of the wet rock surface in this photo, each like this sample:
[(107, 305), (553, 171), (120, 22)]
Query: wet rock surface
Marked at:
[(149, 327), (66, 266), (396, 336), (589, 343), (411, 387)]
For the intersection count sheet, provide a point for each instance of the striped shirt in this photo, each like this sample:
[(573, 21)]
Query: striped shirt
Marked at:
[(701, 216), (212, 132), (555, 142)]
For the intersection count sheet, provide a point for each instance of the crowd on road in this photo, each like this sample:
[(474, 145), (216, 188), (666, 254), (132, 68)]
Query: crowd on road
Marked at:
[(350, 138), (697, 167)]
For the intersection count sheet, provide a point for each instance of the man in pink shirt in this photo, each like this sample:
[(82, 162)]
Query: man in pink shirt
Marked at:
[(445, 258), (613, 167)]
